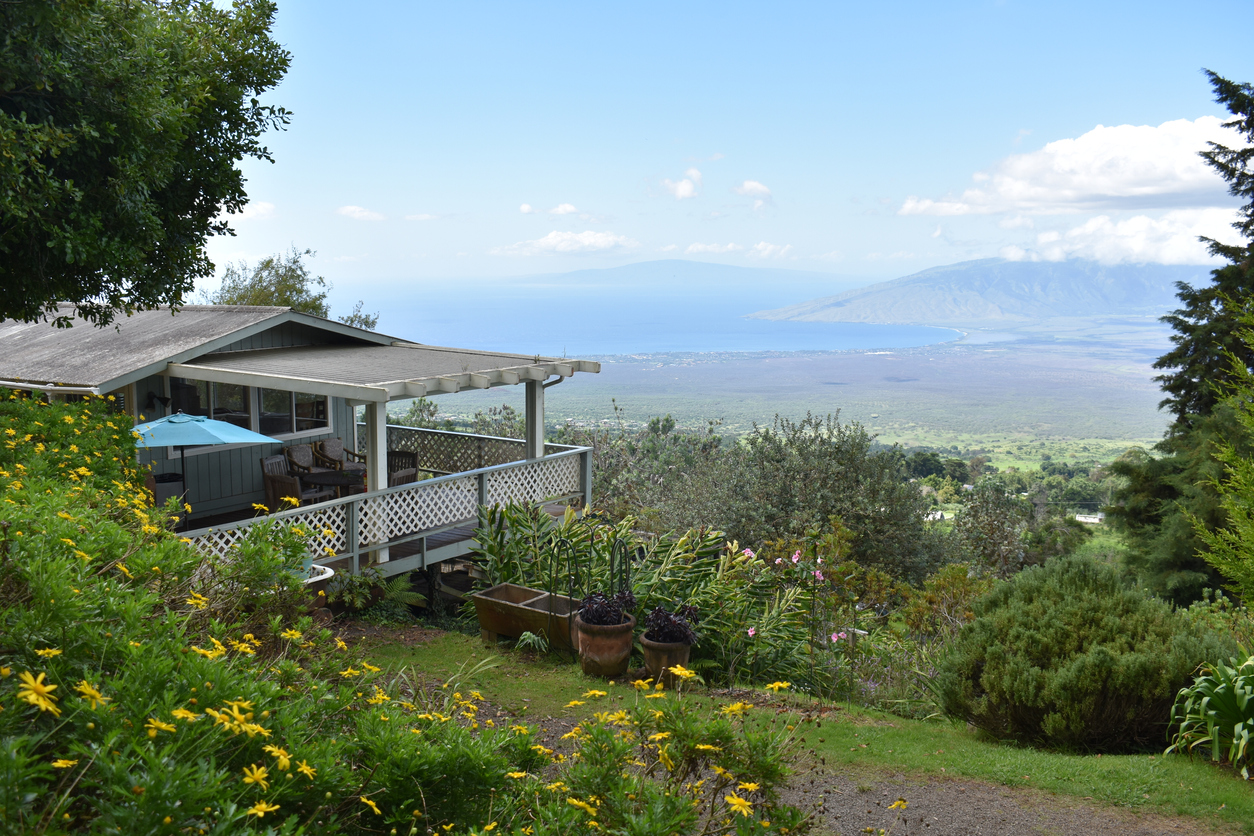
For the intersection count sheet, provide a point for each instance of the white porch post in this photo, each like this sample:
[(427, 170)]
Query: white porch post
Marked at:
[(377, 460), (535, 419)]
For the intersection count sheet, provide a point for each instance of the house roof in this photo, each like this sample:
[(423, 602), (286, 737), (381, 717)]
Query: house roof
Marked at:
[(202, 342)]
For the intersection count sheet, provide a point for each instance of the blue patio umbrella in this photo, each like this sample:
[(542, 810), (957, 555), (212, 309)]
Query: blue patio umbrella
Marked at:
[(183, 431)]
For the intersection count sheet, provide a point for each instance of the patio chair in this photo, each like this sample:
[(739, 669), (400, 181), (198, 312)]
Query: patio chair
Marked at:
[(399, 460), (300, 459), (402, 477), (279, 483), (330, 452)]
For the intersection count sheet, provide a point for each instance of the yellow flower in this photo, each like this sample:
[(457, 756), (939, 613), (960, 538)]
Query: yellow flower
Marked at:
[(38, 693), (154, 725), (582, 805), (93, 697), (257, 775), (488, 828), (339, 644), (261, 808), (655, 696), (682, 672), (662, 735), (284, 759), (294, 635), (48, 652), (263, 509), (306, 770), (184, 714), (749, 786), (739, 805), (349, 672), (121, 567), (515, 775), (705, 747), (899, 804), (574, 703), (779, 686), (642, 684), (593, 694), (736, 708), (198, 601), (519, 729), (371, 805), (370, 667), (63, 763)]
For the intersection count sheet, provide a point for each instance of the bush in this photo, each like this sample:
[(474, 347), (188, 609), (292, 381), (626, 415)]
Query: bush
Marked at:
[(1216, 713), (1070, 655)]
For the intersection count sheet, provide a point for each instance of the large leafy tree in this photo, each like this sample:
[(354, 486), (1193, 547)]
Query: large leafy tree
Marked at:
[(283, 280), (121, 123), (1164, 496)]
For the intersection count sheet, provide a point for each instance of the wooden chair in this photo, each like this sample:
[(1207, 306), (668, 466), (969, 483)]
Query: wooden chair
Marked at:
[(279, 483), (331, 452), (399, 460), (300, 459)]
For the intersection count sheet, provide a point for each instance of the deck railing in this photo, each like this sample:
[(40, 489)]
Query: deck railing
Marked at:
[(369, 522)]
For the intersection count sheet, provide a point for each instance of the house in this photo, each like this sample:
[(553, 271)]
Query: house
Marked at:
[(300, 379)]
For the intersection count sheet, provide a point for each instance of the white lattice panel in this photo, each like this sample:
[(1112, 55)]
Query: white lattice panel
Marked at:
[(418, 508), (534, 481), (316, 522), (454, 452)]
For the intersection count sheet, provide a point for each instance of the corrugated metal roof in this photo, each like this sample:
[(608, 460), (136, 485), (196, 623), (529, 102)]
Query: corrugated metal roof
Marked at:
[(85, 355)]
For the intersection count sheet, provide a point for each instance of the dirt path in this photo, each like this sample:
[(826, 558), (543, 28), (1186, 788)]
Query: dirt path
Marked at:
[(938, 806)]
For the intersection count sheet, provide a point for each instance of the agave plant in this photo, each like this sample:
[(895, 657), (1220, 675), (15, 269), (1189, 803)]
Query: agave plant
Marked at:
[(1217, 713)]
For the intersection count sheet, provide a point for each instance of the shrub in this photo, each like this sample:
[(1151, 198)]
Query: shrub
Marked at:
[(606, 611), (1216, 712), (1070, 655), (666, 626)]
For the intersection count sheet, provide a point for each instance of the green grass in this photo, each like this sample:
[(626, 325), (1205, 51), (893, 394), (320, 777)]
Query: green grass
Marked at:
[(861, 742)]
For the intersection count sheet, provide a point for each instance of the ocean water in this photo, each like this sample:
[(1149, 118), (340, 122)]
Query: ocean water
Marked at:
[(577, 320)]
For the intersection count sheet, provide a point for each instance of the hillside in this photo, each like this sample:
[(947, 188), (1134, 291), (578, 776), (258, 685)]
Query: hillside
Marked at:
[(1003, 293)]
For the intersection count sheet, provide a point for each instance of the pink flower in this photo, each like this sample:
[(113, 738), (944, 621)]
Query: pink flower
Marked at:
[(820, 560), (749, 553), (839, 636), (818, 576), (779, 560), (796, 556), (753, 631)]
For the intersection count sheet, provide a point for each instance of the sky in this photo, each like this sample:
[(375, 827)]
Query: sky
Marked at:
[(435, 142)]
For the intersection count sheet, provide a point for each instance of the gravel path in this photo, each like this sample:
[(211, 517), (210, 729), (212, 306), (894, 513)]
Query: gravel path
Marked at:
[(944, 806)]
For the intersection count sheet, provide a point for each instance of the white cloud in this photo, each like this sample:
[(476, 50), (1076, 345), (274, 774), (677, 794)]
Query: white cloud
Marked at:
[(1170, 239), (669, 248), (1126, 167), (569, 243), (256, 211), (1017, 222), (764, 250), (752, 188), (359, 213), (563, 209), (686, 187), (716, 249), (834, 255), (526, 209), (423, 217)]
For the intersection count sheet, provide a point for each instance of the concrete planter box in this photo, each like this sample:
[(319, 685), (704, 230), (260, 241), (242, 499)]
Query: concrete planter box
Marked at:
[(511, 610)]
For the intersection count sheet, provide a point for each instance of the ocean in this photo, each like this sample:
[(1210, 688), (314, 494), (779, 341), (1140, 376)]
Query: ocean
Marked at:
[(574, 319)]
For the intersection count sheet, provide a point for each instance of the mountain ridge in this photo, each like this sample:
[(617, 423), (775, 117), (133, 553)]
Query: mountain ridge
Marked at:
[(1003, 293)]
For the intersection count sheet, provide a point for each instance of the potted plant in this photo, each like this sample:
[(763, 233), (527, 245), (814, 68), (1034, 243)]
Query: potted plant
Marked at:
[(667, 641), (605, 627)]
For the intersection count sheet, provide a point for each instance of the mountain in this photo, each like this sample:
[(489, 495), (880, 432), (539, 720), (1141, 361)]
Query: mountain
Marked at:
[(996, 292)]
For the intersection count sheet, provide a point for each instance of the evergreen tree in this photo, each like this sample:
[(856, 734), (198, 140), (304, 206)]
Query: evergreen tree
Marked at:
[(1164, 496)]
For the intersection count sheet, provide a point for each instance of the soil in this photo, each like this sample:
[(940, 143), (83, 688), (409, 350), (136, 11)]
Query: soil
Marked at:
[(939, 806)]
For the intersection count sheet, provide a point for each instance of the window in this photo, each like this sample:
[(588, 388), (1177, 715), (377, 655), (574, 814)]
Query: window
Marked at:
[(222, 401), (273, 412)]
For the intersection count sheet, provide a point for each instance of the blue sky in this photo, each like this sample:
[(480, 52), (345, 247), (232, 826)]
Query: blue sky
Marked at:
[(852, 138)]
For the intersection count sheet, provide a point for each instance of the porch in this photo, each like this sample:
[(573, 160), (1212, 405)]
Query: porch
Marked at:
[(419, 524)]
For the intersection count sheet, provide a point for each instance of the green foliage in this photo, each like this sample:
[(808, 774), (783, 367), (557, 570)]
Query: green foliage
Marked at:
[(1216, 713), (121, 125), (1069, 655), (283, 281), (991, 526), (422, 413)]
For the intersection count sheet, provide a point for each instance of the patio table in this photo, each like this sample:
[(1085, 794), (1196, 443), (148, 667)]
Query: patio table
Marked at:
[(339, 479)]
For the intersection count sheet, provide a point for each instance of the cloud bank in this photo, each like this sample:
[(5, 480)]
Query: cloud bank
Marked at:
[(1126, 167), (1169, 239), (685, 188), (568, 243)]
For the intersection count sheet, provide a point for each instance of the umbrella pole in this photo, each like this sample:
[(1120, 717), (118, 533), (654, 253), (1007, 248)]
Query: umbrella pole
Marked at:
[(183, 496)]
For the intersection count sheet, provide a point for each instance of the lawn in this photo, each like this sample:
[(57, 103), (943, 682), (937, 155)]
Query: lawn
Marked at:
[(858, 742)]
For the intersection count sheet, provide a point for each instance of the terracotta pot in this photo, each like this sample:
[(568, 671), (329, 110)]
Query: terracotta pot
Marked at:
[(605, 650), (659, 657)]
